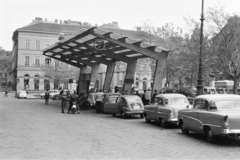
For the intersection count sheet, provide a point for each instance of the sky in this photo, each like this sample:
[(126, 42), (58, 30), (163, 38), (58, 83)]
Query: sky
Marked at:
[(128, 13)]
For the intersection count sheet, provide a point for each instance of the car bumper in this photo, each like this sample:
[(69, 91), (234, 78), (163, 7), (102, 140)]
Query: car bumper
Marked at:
[(230, 131), (134, 112)]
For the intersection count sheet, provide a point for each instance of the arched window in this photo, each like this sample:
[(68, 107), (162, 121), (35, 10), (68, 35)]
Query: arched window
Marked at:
[(26, 81)]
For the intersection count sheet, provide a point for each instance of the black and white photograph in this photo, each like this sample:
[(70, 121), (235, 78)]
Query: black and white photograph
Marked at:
[(119, 80)]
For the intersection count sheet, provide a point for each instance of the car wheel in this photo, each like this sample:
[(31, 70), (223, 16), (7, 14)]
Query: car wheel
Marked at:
[(210, 136), (147, 119), (123, 115), (183, 128), (163, 123), (141, 115), (113, 114)]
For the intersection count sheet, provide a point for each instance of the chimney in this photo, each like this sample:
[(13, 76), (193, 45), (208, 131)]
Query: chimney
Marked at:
[(56, 21), (37, 19)]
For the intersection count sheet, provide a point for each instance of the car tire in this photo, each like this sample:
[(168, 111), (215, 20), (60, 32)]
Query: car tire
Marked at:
[(124, 116), (183, 128), (147, 119), (113, 114), (210, 136), (163, 123), (141, 115)]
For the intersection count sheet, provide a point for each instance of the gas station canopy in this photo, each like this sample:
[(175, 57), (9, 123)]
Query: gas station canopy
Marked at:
[(92, 45)]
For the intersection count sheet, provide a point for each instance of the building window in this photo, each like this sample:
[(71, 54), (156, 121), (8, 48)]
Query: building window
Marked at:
[(37, 61), (27, 60), (27, 44), (47, 45), (37, 45)]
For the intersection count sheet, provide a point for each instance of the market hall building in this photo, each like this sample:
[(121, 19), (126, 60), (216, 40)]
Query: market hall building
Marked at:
[(93, 46)]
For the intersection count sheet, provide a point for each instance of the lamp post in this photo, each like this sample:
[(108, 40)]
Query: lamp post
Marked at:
[(200, 79)]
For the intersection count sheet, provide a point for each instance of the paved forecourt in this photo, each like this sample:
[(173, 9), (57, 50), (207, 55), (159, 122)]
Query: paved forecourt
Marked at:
[(31, 130)]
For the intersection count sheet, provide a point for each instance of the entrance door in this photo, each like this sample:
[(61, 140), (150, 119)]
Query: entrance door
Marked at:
[(36, 82)]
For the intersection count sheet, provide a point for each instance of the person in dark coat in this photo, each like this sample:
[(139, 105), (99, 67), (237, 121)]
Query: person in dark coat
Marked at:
[(46, 96), (154, 95)]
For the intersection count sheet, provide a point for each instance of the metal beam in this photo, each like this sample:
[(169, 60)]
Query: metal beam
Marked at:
[(144, 51), (85, 33)]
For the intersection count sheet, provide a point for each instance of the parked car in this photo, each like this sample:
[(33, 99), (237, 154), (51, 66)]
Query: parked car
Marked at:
[(56, 97), (21, 94), (51, 93), (212, 115), (125, 105), (166, 108)]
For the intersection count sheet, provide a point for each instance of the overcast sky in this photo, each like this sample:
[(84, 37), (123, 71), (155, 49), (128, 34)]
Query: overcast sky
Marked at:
[(128, 13)]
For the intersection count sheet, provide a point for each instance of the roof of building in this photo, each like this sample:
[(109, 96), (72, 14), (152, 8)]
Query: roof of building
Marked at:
[(73, 28)]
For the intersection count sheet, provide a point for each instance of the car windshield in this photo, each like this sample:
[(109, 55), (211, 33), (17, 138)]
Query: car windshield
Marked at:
[(177, 100), (227, 104), (133, 99)]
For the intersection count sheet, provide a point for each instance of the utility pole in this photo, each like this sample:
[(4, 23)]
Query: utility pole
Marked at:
[(200, 79)]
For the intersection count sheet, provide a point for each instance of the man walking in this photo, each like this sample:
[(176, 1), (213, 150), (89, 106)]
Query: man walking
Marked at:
[(6, 92), (154, 95), (98, 99), (46, 97)]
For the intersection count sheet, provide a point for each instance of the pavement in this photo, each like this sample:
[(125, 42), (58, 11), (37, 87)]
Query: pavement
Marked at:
[(30, 130)]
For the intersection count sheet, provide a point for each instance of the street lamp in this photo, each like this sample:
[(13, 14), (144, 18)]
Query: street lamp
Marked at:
[(200, 79)]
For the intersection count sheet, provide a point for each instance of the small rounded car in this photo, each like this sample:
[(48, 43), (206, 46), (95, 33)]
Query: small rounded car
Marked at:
[(165, 109), (21, 94), (213, 115), (125, 105)]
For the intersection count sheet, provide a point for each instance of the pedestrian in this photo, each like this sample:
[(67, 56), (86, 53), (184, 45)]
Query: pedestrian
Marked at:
[(6, 92), (46, 97), (64, 100), (73, 98), (154, 95), (148, 97), (98, 99), (138, 94)]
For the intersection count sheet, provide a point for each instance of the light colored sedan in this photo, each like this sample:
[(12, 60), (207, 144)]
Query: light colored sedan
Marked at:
[(212, 115), (21, 94), (51, 93), (165, 109)]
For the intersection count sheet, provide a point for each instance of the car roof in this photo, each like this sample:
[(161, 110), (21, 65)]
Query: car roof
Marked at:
[(127, 95), (214, 97), (170, 95)]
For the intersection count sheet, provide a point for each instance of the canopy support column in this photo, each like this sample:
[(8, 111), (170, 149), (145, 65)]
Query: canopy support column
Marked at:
[(81, 81), (109, 75), (94, 76), (129, 78), (158, 75)]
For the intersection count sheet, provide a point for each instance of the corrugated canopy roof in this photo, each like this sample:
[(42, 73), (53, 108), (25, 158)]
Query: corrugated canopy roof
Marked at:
[(93, 45)]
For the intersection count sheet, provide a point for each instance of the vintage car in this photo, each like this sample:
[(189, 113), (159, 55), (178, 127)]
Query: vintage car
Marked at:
[(51, 93), (21, 94), (125, 105), (166, 108), (212, 115)]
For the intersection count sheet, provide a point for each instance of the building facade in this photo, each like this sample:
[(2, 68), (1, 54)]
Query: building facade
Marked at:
[(29, 41)]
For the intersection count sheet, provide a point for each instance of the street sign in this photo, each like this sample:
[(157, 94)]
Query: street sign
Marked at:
[(99, 45)]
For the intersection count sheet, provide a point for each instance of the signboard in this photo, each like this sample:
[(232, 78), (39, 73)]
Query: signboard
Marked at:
[(224, 84), (99, 45)]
